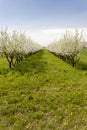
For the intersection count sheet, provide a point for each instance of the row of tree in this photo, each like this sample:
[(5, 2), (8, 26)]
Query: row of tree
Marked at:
[(16, 46), (68, 47)]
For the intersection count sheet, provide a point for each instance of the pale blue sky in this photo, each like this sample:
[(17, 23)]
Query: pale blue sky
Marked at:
[(43, 14)]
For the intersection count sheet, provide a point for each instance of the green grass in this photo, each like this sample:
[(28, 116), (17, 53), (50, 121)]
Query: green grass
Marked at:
[(43, 93)]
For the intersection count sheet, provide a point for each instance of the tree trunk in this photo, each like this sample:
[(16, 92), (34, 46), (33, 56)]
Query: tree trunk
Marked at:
[(10, 64), (73, 62)]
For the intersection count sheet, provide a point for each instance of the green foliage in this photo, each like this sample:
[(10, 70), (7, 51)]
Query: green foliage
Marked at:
[(43, 93)]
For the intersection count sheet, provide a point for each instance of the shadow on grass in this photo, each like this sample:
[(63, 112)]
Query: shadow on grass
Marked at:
[(4, 71), (33, 64), (81, 65)]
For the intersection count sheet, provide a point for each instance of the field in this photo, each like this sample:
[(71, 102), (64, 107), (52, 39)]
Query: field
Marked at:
[(43, 93)]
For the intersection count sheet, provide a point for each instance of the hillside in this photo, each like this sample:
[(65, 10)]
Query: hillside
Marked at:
[(43, 93)]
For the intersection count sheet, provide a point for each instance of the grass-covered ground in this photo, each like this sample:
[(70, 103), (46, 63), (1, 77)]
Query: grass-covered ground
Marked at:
[(43, 93)]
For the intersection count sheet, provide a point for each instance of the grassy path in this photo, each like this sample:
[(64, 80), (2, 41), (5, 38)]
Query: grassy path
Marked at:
[(43, 93)]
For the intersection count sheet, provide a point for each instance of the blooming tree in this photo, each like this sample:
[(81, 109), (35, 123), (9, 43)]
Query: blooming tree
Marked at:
[(16, 46), (68, 47)]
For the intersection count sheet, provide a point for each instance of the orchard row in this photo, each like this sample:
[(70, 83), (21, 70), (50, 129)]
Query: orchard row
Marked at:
[(16, 46), (68, 47)]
